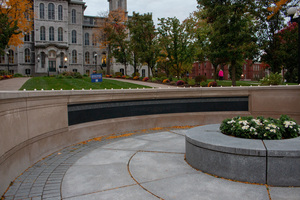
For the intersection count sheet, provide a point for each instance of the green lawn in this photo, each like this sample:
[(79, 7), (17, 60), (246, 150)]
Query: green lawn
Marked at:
[(49, 83)]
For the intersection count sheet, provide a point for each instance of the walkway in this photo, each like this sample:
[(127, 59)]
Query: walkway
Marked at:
[(144, 166), (149, 84), (12, 84)]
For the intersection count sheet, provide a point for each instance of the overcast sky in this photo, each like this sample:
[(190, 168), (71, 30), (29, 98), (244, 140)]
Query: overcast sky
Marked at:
[(159, 8)]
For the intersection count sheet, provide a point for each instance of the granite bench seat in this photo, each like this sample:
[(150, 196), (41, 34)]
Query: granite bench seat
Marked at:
[(272, 162)]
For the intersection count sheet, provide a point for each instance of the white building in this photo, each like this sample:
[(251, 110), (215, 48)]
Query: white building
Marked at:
[(62, 39)]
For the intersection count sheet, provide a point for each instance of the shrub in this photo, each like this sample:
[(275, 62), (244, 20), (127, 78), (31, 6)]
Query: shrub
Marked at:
[(118, 74), (191, 82), (212, 84), (163, 78), (261, 128), (18, 75), (136, 74), (145, 79), (77, 75), (272, 79), (1, 77), (180, 82), (166, 81), (153, 80), (136, 78), (127, 77), (60, 76), (203, 84), (108, 76), (200, 78), (85, 75)]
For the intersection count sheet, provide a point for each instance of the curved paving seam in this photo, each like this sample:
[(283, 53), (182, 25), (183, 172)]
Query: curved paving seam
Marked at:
[(128, 168)]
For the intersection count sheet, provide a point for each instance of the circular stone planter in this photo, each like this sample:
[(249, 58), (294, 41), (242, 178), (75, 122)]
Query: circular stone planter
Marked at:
[(272, 162)]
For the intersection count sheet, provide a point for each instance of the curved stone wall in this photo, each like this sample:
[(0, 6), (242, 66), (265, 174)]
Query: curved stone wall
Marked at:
[(272, 162), (36, 123)]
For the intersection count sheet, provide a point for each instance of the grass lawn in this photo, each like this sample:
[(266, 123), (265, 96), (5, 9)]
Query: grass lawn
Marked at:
[(49, 83)]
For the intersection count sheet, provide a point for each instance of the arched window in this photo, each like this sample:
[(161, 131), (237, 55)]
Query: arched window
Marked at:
[(73, 16), (11, 56), (94, 40), (86, 39), (87, 57), (60, 12), (51, 12), (42, 33), (27, 55), (51, 33), (60, 34), (74, 56), (74, 37), (42, 11)]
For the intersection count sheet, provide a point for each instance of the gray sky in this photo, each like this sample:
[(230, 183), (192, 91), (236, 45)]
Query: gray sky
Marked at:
[(159, 8)]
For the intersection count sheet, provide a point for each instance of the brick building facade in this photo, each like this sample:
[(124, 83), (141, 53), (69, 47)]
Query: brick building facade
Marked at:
[(251, 71)]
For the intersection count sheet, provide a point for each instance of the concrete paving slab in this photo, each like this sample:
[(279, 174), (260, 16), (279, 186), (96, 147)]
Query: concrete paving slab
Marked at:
[(157, 136), (13, 84), (104, 157), (279, 193), (128, 144), (148, 166), (199, 186), (175, 144), (80, 180), (131, 192)]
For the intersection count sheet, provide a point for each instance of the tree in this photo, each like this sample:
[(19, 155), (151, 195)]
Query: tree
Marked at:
[(288, 40), (175, 41), (114, 35), (142, 35), (232, 31), (16, 20)]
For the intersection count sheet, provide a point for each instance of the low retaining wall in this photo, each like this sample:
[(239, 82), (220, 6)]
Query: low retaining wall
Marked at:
[(272, 162), (35, 124)]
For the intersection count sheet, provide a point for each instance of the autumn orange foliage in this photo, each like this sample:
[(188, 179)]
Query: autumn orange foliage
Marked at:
[(275, 9), (22, 12)]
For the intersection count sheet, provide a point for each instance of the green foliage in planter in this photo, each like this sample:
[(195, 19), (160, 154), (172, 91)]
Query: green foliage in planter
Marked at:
[(272, 79), (261, 128)]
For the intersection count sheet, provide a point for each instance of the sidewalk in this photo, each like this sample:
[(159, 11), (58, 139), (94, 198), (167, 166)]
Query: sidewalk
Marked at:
[(149, 84), (144, 166), (13, 83)]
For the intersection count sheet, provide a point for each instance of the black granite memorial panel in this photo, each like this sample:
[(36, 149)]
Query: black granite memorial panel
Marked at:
[(81, 113)]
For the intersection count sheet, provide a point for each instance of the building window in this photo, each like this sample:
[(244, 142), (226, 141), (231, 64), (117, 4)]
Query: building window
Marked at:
[(94, 58), (122, 71), (60, 34), (119, 4), (143, 73), (87, 57), (2, 59), (27, 71), (60, 12), (73, 16), (51, 12), (86, 39), (42, 33), (74, 56), (11, 57), (27, 55), (51, 33), (74, 39), (94, 40), (42, 11), (74, 70), (43, 60), (26, 37)]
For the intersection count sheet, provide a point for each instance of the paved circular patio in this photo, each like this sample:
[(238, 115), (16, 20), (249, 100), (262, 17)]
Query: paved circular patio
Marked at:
[(141, 166)]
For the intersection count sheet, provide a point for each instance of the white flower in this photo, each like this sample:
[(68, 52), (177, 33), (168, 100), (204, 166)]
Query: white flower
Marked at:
[(273, 130), (268, 128), (231, 122), (245, 127), (252, 129), (244, 122), (257, 121), (265, 135)]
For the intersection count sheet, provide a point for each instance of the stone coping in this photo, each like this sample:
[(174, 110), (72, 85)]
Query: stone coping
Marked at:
[(276, 162)]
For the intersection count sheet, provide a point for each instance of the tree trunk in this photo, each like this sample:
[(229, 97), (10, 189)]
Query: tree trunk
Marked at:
[(233, 72)]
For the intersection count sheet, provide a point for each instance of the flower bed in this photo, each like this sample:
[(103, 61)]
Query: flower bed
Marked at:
[(261, 128)]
